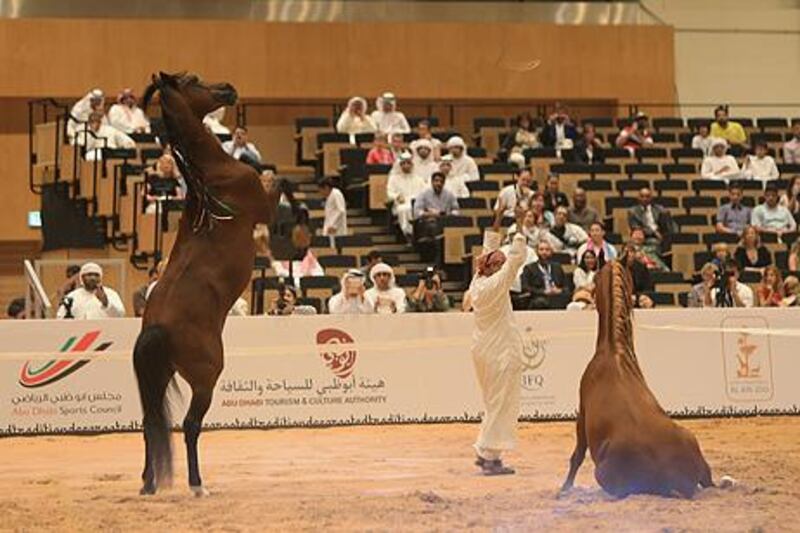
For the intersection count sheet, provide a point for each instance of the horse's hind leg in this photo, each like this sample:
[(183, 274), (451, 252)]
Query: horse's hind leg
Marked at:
[(201, 401), (578, 455)]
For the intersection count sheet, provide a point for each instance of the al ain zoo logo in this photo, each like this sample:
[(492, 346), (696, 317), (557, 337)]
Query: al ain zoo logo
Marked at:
[(33, 375), (747, 358)]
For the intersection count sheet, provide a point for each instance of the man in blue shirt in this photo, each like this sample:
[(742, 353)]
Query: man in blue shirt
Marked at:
[(733, 216)]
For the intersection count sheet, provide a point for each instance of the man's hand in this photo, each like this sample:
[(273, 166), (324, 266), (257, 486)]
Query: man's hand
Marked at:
[(330, 231), (401, 199), (498, 215), (101, 295)]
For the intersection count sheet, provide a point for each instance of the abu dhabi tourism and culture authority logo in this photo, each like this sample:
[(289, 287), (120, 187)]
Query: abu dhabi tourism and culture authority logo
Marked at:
[(38, 374), (338, 351)]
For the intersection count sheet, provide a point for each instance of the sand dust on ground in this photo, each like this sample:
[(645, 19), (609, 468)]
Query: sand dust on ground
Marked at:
[(391, 478)]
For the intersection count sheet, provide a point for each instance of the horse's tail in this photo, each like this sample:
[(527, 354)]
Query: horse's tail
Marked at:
[(154, 371)]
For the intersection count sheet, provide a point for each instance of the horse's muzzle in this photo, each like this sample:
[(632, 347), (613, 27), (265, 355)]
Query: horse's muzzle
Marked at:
[(226, 94)]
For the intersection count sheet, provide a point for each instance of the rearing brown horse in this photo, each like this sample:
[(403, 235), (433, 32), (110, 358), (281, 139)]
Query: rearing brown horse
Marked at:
[(210, 265), (635, 445)]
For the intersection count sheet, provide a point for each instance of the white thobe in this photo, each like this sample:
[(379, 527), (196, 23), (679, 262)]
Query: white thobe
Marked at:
[(341, 305), (391, 122), (80, 113), (425, 168), (407, 186), (87, 306), (497, 350), (465, 167), (128, 120), (455, 184), (575, 237), (395, 294), (354, 124), (94, 144), (763, 169), (236, 151), (335, 213), (213, 121), (710, 170)]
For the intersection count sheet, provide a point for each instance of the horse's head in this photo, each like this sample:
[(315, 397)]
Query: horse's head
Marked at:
[(202, 98)]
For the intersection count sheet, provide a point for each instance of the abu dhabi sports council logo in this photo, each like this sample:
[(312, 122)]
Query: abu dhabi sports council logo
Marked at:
[(33, 375), (337, 349)]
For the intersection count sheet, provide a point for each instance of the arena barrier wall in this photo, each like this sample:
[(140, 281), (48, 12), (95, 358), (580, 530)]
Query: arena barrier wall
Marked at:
[(71, 377)]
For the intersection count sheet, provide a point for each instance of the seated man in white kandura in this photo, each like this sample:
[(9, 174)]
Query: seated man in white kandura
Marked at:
[(497, 347)]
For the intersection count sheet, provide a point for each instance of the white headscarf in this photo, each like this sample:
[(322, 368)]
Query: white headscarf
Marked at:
[(90, 268)]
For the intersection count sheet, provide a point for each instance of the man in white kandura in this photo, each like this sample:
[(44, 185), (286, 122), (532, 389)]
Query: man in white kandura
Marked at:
[(92, 300), (497, 347)]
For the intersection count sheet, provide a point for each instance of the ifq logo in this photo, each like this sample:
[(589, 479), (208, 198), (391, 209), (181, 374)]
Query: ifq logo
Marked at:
[(337, 349), (33, 375)]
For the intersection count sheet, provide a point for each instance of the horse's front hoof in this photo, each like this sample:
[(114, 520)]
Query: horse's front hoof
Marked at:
[(200, 492), (147, 490)]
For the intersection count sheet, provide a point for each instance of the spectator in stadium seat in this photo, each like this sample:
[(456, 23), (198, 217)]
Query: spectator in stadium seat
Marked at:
[(583, 275), (636, 135), (559, 132), (436, 201), (380, 154), (140, 294), (71, 282), (733, 216), (373, 258), (424, 161), (403, 186), (92, 102), (701, 291), (454, 183), (649, 252), (564, 236), (126, 116), (335, 224), (791, 288), (350, 300), (737, 294), (157, 186), (424, 134), (100, 135), (240, 147), (770, 290), (633, 258), (719, 165), (580, 212), (16, 309), (386, 116), (92, 300), (722, 128), (791, 148), (702, 139), (720, 253), (760, 166), (791, 198), (794, 256), (751, 254), (429, 296), (517, 195), (534, 222), (588, 150), (543, 278), (770, 217), (384, 297), (523, 135), (654, 220), (354, 119), (598, 245), (213, 122), (463, 165), (582, 300), (397, 145), (553, 197)]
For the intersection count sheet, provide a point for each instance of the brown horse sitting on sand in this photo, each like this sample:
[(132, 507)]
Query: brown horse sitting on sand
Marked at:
[(636, 447), (210, 266)]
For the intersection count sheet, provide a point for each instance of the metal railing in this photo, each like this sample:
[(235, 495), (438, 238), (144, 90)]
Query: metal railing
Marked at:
[(37, 303)]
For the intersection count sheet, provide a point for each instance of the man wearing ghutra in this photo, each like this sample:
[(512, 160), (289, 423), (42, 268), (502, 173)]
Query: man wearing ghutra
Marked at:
[(497, 347)]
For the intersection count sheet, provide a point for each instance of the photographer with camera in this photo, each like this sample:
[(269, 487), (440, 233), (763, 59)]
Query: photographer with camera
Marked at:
[(91, 300), (429, 296), (286, 303), (727, 290)]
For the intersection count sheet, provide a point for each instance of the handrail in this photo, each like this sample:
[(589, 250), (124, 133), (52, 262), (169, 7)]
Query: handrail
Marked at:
[(37, 303)]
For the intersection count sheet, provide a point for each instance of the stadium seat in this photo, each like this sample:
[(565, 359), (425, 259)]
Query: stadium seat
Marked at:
[(671, 169), (668, 123), (673, 187), (414, 121), (599, 122), (662, 299), (701, 258), (686, 155), (631, 186), (695, 123), (311, 122), (699, 204), (710, 239), (637, 170), (319, 286)]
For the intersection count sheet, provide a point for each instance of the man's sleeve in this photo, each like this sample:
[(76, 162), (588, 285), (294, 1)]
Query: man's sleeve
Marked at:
[(115, 305), (792, 222), (747, 296), (755, 218)]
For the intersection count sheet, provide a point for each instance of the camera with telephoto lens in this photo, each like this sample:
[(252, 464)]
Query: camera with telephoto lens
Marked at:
[(67, 302), (281, 304), (430, 272)]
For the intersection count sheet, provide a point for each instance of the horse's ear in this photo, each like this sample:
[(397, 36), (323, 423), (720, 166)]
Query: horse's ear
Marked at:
[(167, 79)]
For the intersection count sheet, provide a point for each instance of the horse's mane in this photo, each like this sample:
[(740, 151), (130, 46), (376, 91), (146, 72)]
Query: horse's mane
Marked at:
[(615, 306)]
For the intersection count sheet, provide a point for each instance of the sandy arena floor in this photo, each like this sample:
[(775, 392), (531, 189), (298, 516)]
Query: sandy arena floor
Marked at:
[(388, 478)]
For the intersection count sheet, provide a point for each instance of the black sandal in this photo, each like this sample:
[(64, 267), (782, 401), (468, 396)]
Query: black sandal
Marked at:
[(496, 468)]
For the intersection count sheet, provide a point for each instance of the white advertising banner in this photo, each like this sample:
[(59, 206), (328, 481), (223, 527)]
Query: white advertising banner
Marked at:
[(77, 376)]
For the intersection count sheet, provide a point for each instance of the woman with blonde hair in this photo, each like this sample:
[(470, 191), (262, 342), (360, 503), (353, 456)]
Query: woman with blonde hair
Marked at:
[(770, 292), (720, 252), (751, 254), (794, 256), (791, 288), (158, 184)]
